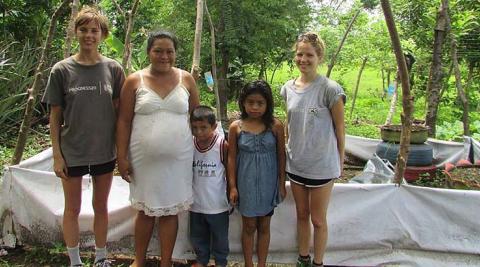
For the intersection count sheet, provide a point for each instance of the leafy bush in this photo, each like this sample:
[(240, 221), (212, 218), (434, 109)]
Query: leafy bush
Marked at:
[(454, 131), (17, 66)]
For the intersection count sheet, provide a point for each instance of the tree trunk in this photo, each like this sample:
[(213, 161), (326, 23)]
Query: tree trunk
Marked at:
[(447, 78), (364, 62), (70, 29), (458, 81), (393, 103), (383, 83), (334, 57), (468, 83), (436, 74), (197, 43), (261, 73), (276, 68), (388, 76), (407, 99), (127, 51), (222, 75), (37, 83), (214, 63)]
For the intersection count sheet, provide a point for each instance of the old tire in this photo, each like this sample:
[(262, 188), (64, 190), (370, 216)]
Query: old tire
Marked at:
[(412, 173), (419, 155)]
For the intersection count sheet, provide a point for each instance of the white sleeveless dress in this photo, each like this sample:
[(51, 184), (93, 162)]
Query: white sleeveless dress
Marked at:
[(161, 152)]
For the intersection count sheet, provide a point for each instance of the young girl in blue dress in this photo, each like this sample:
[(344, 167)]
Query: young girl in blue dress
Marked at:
[(256, 167)]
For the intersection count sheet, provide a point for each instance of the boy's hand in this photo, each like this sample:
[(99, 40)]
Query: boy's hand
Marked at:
[(233, 196), (124, 169)]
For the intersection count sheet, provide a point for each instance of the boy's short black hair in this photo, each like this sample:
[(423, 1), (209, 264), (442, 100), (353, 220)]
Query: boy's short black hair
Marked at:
[(202, 113)]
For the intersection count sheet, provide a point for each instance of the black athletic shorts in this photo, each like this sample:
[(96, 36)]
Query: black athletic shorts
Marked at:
[(93, 170), (306, 181)]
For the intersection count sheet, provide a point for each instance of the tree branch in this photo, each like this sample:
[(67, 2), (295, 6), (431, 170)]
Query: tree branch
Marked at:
[(407, 100), (37, 83)]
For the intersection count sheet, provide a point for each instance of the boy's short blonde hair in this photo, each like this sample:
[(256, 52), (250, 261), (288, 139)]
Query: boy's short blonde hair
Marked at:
[(315, 40), (88, 14)]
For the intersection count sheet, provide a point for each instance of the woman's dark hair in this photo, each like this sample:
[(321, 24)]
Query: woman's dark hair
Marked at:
[(159, 35), (262, 88)]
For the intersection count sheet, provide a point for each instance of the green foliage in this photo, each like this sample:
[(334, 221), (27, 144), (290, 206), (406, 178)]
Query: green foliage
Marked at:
[(454, 130), (17, 64), (47, 254), (436, 181), (450, 131)]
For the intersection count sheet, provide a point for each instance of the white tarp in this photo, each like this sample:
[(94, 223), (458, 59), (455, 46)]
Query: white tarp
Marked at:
[(368, 224)]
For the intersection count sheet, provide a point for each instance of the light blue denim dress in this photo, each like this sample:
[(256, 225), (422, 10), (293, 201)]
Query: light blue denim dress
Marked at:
[(257, 173)]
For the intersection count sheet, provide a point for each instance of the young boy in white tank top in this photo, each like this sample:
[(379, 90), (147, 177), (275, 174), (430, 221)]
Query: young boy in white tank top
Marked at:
[(209, 213)]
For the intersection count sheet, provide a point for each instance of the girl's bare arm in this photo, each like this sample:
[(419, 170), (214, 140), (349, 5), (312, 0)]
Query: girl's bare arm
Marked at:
[(339, 122), (232, 162)]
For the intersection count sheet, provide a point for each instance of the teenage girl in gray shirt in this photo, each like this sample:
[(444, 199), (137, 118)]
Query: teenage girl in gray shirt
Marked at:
[(315, 146), (82, 93)]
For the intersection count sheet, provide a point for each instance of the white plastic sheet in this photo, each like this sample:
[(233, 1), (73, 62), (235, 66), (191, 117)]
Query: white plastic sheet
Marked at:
[(368, 224)]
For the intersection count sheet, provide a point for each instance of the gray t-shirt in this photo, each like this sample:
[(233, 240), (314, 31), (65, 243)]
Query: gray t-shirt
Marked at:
[(312, 144), (86, 94)]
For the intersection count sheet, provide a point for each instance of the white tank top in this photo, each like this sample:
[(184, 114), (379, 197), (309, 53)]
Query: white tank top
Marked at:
[(209, 182)]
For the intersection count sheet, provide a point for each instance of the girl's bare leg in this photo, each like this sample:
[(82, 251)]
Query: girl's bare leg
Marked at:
[(263, 239), (301, 195), (101, 190), (249, 227), (72, 191), (319, 199)]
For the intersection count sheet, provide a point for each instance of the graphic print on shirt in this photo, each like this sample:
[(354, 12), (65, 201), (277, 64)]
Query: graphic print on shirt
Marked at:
[(101, 88), (205, 169)]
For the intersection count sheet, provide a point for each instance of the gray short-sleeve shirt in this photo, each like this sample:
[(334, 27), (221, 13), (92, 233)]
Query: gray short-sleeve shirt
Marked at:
[(86, 94), (312, 144)]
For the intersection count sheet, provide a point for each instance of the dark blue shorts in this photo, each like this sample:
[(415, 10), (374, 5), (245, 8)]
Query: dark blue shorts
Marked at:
[(93, 170)]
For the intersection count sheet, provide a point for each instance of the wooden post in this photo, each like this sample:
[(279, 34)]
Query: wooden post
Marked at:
[(71, 29), (458, 78), (407, 99), (393, 102), (434, 85), (197, 44), (127, 51), (214, 62), (37, 83), (128, 24)]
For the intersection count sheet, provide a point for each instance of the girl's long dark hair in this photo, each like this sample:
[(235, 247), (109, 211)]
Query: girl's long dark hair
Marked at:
[(258, 87)]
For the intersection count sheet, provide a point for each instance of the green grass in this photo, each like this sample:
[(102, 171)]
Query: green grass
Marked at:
[(370, 111)]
